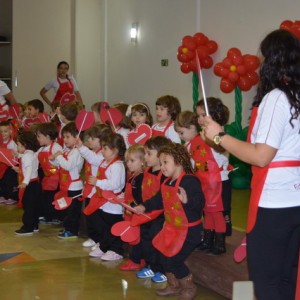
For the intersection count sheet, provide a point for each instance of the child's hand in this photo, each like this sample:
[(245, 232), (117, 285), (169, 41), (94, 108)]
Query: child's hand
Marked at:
[(15, 168), (22, 185), (182, 195), (79, 142), (140, 209), (92, 180), (56, 154)]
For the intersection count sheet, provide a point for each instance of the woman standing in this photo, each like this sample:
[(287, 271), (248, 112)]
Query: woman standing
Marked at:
[(274, 153), (63, 84)]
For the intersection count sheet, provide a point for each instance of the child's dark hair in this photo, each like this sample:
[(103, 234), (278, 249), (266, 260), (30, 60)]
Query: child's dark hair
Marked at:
[(37, 104), (70, 128), (70, 111), (171, 103), (99, 131), (180, 156), (217, 110), (122, 107), (115, 141), (5, 123), (49, 129), (157, 142), (185, 119), (28, 140), (143, 109)]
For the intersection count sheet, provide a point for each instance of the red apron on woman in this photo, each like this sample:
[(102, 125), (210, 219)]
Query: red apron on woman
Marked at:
[(64, 87)]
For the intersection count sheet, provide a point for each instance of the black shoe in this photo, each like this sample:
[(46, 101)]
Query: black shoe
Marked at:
[(23, 231)]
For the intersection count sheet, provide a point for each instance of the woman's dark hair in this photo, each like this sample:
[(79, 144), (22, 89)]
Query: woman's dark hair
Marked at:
[(62, 63), (28, 140), (115, 141), (171, 103), (49, 129), (217, 110), (180, 156), (280, 68)]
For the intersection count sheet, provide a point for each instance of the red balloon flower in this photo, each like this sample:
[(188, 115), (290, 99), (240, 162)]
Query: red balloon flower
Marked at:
[(293, 27), (200, 44), (237, 70)]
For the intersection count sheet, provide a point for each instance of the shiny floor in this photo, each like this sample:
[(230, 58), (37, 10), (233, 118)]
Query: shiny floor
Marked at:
[(43, 267)]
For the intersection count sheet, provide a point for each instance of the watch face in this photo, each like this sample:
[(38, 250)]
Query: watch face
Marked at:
[(217, 140)]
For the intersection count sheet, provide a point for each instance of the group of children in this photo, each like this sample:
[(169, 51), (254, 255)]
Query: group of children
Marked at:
[(170, 182)]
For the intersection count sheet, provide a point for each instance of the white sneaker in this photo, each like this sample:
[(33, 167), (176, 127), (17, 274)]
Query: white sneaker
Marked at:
[(10, 202), (2, 200), (88, 243), (96, 253), (95, 246), (111, 255)]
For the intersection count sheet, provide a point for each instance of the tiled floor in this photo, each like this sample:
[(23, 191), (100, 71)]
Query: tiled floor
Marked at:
[(42, 266)]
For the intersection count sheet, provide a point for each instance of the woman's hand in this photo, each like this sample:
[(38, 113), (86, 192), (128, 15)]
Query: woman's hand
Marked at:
[(211, 128)]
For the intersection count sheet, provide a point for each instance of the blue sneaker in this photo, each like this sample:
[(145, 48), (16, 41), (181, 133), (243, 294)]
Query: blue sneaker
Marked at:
[(67, 235), (159, 277), (145, 273)]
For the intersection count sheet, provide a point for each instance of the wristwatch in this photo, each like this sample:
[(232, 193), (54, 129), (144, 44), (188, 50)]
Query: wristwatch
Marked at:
[(218, 138)]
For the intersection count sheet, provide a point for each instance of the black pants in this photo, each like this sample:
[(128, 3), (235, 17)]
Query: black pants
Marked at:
[(9, 184), (30, 201), (150, 254), (175, 264), (104, 222), (273, 252), (48, 210), (73, 212)]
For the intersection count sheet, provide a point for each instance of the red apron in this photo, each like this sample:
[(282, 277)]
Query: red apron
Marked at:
[(65, 179), (20, 180), (208, 172), (51, 179), (64, 87), (161, 133), (88, 172), (4, 167), (170, 239), (97, 200)]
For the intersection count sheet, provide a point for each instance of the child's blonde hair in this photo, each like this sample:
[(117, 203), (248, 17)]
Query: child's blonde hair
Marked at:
[(186, 119), (136, 149)]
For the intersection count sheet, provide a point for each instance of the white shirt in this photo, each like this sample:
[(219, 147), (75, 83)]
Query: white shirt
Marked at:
[(29, 166), (272, 127), (56, 147), (4, 90), (115, 181), (124, 132), (170, 133), (53, 84)]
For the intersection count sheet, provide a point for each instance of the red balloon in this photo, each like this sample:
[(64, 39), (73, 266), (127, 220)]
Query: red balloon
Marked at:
[(232, 52), (227, 62), (244, 83), (218, 68), (186, 40), (295, 30), (200, 39), (251, 62), (183, 57), (233, 77), (226, 86), (241, 70), (206, 62), (191, 45), (212, 47), (286, 25), (202, 52), (225, 72), (193, 66), (185, 68), (253, 76), (237, 60), (191, 55), (180, 48)]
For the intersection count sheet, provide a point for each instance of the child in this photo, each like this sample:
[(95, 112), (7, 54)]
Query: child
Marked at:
[(34, 107), (29, 185), (70, 163), (167, 108), (96, 108), (139, 113), (93, 156), (212, 170), (152, 181), (46, 135), (110, 176), (182, 199), (8, 177), (135, 161)]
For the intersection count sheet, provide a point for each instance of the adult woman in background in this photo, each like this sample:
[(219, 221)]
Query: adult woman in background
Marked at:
[(274, 153), (6, 96), (63, 84)]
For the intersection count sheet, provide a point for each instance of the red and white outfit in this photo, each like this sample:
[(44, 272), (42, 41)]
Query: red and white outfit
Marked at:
[(62, 86), (274, 214), (4, 90), (10, 144), (167, 131)]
